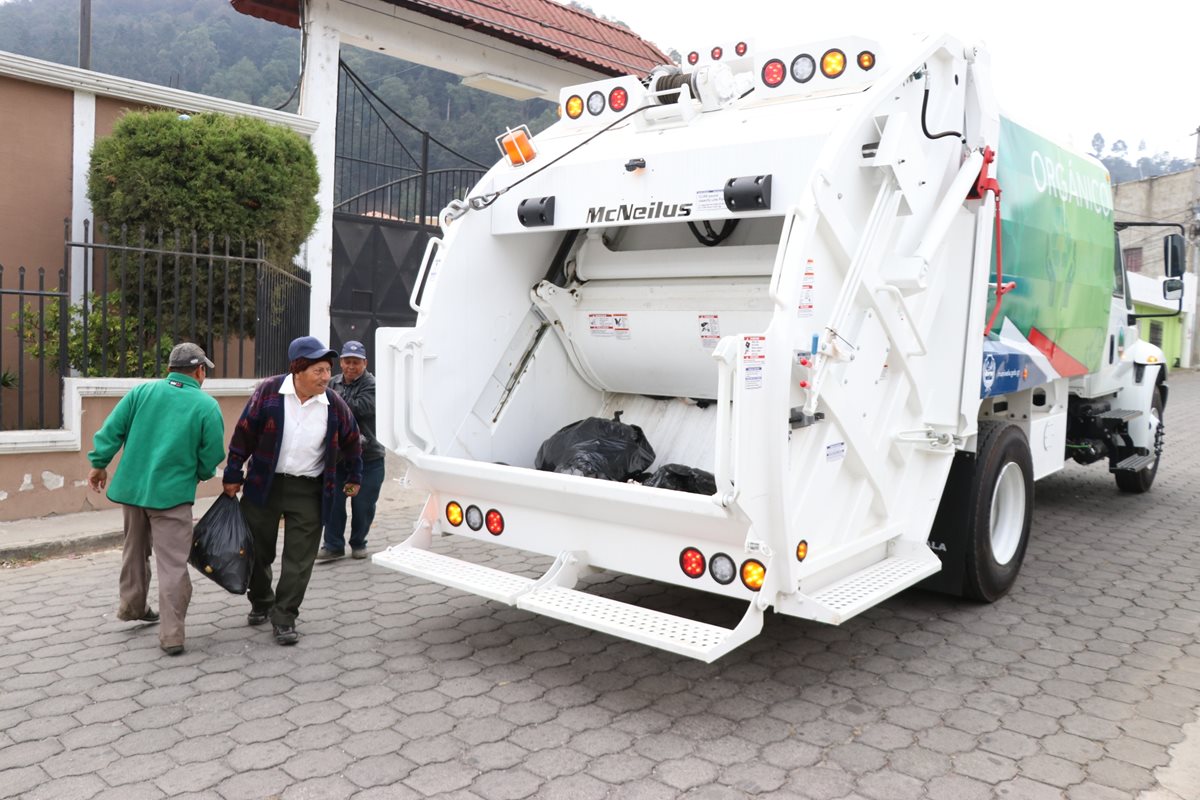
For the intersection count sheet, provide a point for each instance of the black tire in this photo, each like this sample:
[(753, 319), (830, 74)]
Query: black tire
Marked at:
[(999, 511), (1140, 482)]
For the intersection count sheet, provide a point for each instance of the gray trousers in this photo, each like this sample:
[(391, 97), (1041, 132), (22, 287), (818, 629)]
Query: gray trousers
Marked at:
[(167, 533)]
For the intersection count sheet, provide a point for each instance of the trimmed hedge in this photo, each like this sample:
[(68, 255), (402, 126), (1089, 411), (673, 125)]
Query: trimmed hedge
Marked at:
[(221, 175)]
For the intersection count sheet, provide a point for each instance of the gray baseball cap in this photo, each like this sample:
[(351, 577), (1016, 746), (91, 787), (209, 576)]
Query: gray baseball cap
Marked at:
[(188, 354)]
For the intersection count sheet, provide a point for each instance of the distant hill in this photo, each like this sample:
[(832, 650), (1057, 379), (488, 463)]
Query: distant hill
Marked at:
[(205, 46)]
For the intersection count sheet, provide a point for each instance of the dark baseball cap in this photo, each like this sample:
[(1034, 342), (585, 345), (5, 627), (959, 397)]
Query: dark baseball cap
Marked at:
[(309, 347), (188, 354), (353, 349)]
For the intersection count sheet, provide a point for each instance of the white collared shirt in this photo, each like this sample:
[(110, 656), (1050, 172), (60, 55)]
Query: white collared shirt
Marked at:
[(302, 451)]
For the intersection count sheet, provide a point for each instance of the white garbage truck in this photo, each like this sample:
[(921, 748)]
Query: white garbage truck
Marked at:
[(873, 308)]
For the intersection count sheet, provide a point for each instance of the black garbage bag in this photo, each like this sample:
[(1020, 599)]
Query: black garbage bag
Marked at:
[(682, 479), (222, 546), (597, 448)]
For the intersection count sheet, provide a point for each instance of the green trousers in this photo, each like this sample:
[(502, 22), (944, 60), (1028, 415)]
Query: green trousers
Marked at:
[(298, 502)]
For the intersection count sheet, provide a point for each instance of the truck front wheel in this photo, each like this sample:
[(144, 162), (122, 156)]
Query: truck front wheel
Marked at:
[(999, 511), (1141, 481)]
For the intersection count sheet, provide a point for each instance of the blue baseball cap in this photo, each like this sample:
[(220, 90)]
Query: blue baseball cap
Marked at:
[(309, 347), (353, 349)]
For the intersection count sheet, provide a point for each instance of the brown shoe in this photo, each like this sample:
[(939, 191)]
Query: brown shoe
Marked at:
[(172, 649)]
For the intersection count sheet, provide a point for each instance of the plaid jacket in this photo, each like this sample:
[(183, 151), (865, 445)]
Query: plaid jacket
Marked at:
[(258, 438)]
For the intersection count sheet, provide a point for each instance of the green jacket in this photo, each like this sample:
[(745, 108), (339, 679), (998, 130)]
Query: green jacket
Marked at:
[(173, 435)]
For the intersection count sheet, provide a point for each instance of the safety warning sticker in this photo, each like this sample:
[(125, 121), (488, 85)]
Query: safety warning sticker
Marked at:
[(711, 200), (754, 358), (710, 330), (835, 451), (807, 285), (609, 325)]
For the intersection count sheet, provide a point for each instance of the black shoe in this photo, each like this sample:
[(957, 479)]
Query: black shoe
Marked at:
[(256, 617), (285, 634), (330, 555), (152, 616), (172, 649)]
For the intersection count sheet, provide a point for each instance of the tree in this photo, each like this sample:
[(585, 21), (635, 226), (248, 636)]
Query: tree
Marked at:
[(1098, 144), (1119, 148)]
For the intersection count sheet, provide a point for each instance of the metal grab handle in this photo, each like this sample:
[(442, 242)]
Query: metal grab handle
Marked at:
[(785, 240), (412, 364), (418, 290), (908, 317), (726, 356)]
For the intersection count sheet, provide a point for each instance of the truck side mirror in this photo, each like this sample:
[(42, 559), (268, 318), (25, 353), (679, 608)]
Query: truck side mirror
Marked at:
[(1174, 258), (1172, 288)]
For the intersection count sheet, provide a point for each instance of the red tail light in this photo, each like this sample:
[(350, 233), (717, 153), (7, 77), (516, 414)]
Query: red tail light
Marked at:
[(618, 98), (693, 57), (495, 522), (691, 561), (717, 53), (740, 49), (773, 72)]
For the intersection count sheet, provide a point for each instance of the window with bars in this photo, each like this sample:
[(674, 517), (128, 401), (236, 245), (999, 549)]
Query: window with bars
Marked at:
[(1133, 259)]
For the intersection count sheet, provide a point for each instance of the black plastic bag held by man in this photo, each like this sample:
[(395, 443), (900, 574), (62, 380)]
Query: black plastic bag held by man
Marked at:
[(222, 547)]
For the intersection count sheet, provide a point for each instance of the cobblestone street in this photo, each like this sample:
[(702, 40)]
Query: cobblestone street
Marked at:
[(1077, 684)]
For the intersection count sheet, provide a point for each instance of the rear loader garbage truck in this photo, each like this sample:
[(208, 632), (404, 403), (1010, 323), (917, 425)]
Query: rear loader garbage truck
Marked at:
[(869, 308)]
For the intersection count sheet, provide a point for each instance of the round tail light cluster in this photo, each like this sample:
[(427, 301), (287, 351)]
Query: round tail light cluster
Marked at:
[(722, 568), (474, 517), (804, 66)]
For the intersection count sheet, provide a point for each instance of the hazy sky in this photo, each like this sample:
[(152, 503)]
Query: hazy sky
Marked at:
[(1070, 69)]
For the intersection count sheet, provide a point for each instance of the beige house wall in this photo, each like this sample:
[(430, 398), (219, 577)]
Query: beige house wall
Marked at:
[(44, 473)]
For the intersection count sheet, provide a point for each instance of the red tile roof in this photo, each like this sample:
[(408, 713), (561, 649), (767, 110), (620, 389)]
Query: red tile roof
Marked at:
[(566, 33)]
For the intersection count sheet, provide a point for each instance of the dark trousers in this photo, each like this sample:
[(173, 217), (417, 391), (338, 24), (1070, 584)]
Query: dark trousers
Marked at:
[(298, 502), (362, 508)]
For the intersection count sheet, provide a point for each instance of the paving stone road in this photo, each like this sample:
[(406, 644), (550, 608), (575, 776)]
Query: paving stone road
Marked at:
[(1078, 684)]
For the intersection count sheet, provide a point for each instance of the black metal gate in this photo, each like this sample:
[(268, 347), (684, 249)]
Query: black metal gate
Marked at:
[(375, 263)]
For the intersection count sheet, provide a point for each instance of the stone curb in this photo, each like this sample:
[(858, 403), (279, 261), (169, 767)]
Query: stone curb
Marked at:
[(36, 551)]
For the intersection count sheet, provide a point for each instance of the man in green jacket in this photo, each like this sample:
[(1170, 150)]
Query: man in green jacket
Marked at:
[(174, 437)]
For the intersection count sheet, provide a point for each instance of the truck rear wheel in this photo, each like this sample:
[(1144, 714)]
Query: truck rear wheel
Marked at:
[(999, 511), (1141, 481)]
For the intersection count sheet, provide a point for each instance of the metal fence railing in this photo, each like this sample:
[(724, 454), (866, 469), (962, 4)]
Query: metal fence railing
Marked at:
[(137, 295), (385, 166)]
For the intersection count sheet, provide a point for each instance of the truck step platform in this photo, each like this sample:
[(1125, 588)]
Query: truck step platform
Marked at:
[(1133, 463), (857, 592), (473, 578), (643, 625), (1119, 415)]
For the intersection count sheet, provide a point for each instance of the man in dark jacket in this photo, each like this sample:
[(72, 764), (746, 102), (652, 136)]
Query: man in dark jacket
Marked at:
[(292, 431), (357, 387)]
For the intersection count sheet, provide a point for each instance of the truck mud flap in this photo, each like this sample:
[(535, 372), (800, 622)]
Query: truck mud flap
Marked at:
[(553, 595)]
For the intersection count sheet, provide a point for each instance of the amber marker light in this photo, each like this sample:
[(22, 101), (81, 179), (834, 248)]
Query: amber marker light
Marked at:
[(691, 561), (753, 574), (454, 514), (495, 522), (517, 146), (574, 106), (866, 60), (833, 63), (802, 550)]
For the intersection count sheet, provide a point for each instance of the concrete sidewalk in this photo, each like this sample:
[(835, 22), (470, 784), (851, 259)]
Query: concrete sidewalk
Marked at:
[(67, 534)]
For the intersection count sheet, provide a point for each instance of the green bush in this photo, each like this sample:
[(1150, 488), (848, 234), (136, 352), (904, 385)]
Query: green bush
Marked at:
[(221, 175)]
